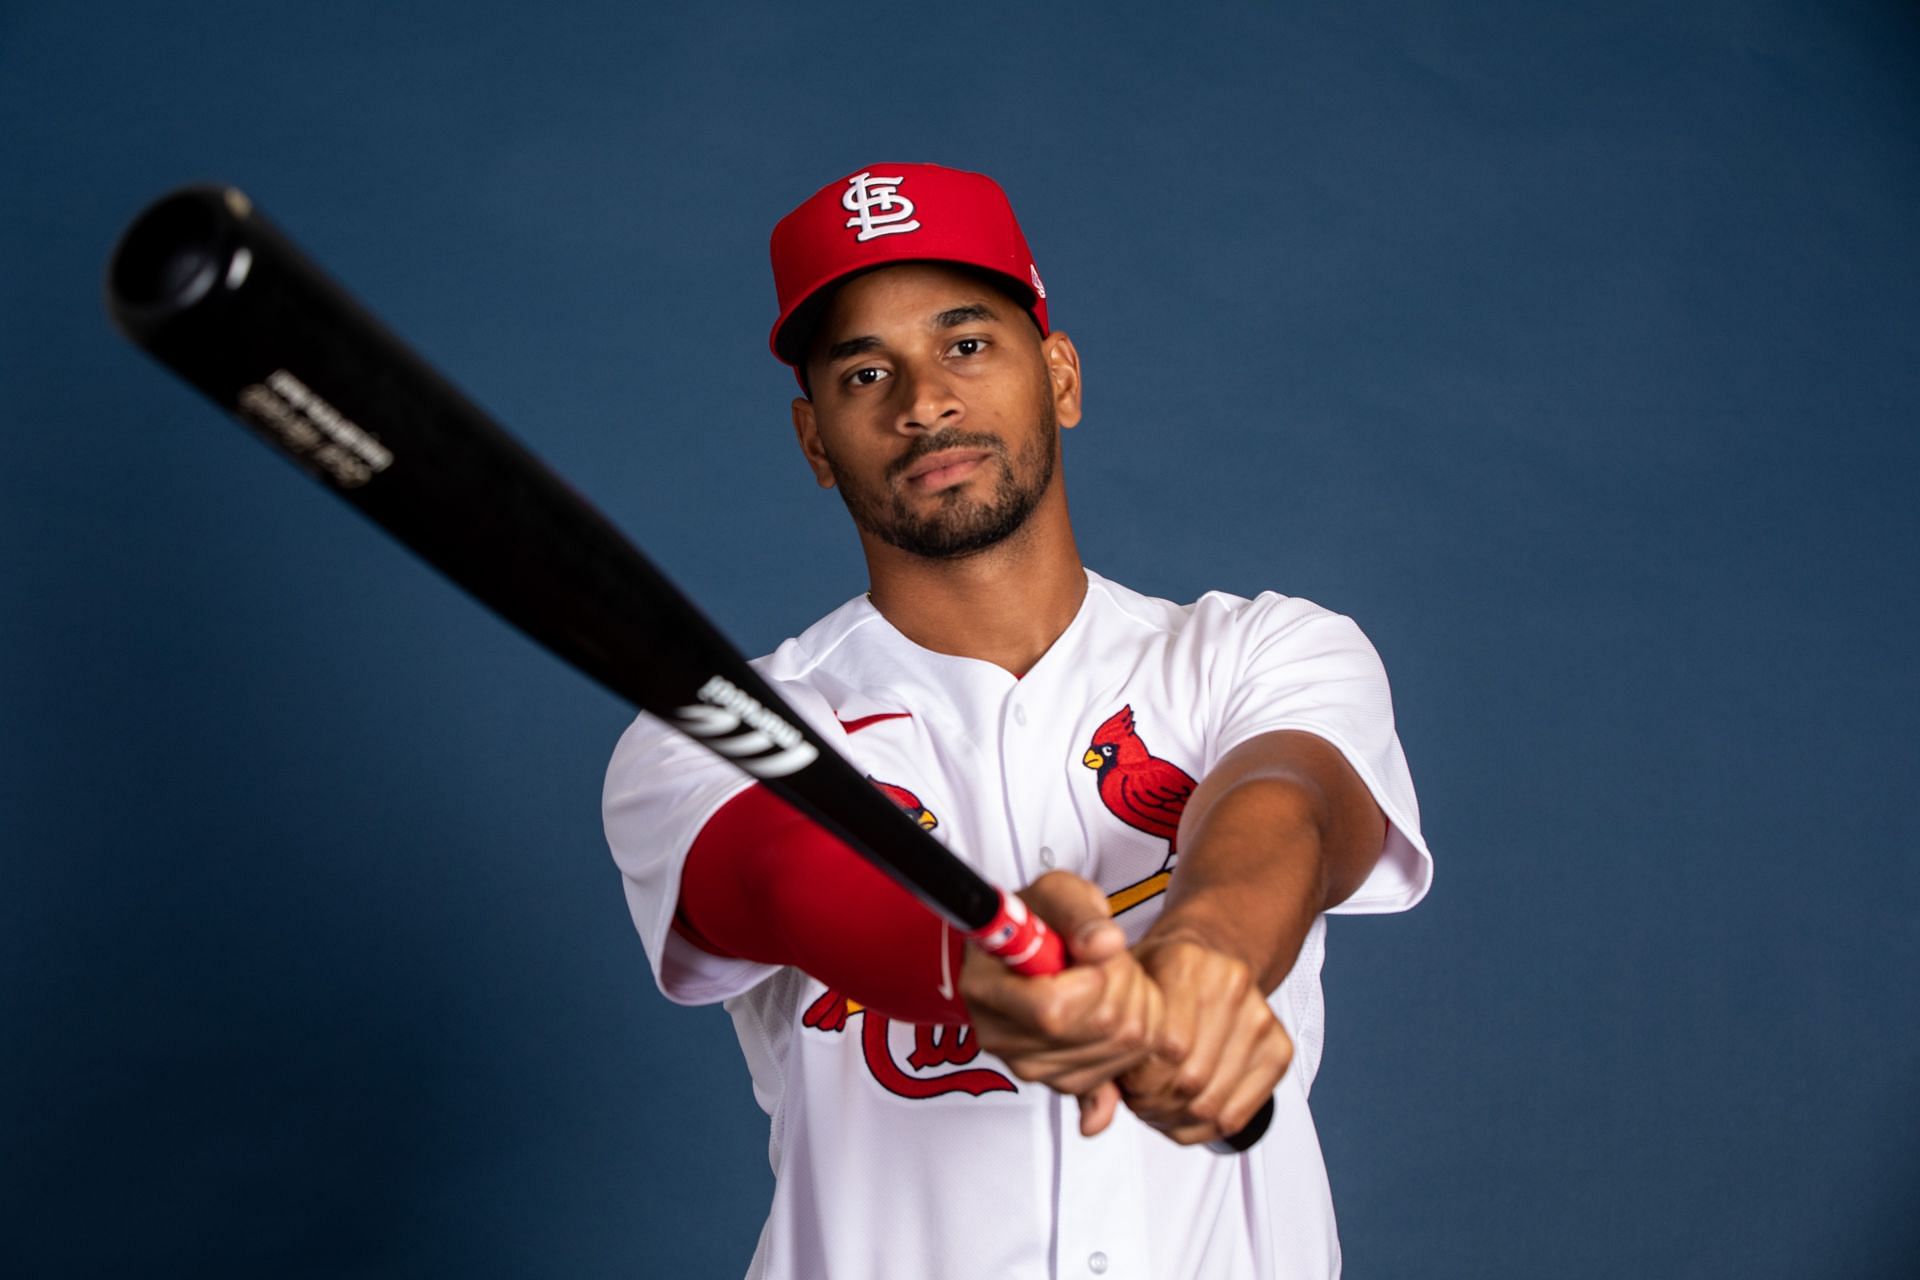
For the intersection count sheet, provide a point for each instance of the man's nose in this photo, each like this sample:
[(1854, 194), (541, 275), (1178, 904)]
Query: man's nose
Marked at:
[(929, 401)]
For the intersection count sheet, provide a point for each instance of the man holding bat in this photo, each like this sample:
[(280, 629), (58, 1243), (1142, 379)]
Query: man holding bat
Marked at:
[(1186, 790)]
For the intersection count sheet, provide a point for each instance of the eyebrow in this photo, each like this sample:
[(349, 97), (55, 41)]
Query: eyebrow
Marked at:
[(969, 314), (951, 318), (851, 347)]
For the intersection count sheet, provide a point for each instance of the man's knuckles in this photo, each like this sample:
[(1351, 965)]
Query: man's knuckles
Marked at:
[(1173, 1044), (1066, 901), (1032, 1070), (1190, 973), (1121, 1030), (1205, 1110), (1057, 1010), (1280, 1053), (1188, 1083)]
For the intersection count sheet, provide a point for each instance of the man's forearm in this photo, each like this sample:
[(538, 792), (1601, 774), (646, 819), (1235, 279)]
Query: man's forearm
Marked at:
[(1278, 832)]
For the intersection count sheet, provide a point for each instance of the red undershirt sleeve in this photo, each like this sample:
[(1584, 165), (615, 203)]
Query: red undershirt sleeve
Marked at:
[(763, 883)]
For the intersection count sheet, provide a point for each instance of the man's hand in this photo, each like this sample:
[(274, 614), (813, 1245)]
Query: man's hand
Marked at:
[(1280, 830), (1074, 1031), (1221, 1051)]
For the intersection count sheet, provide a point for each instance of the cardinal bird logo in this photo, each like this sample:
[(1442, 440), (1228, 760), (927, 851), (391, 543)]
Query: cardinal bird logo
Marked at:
[(907, 802), (1145, 792)]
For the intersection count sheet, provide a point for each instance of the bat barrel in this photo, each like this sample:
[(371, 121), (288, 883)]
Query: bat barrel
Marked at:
[(213, 291)]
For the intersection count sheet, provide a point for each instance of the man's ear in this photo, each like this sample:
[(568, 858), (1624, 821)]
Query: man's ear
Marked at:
[(808, 433), (1063, 370)]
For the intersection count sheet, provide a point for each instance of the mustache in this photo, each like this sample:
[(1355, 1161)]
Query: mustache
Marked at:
[(925, 445)]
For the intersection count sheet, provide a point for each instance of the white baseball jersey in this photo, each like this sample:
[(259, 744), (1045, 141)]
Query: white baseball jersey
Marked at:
[(905, 1151)]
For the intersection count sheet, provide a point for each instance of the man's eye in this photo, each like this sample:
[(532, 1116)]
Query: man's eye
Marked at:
[(969, 346), (866, 377)]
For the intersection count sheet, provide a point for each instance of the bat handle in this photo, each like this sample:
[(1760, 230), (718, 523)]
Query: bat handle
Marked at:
[(1021, 939), (1025, 945)]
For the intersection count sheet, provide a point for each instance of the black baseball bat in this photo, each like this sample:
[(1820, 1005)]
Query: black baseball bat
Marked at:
[(215, 292)]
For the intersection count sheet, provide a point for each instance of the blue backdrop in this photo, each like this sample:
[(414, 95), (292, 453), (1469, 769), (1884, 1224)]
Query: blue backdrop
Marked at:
[(1570, 348)]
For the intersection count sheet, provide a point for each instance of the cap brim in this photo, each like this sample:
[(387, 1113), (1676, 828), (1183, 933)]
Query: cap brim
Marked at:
[(793, 331)]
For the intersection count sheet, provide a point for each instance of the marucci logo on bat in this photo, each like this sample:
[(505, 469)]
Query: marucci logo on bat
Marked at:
[(728, 708), (313, 431)]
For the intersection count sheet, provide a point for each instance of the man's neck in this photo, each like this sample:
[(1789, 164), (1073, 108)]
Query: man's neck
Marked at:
[(1006, 605)]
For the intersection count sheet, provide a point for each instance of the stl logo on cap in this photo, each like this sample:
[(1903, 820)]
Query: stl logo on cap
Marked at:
[(860, 222), (877, 206)]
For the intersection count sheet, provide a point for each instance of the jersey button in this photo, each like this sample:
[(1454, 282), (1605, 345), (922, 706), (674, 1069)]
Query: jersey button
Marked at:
[(1046, 856), (1097, 1263), (1020, 715)]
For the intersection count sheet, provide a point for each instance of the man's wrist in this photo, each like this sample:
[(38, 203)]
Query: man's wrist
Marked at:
[(1196, 925), (1252, 904), (1252, 941)]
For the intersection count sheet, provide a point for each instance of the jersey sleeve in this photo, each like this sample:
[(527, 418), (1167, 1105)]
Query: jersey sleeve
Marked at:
[(661, 789), (1296, 666)]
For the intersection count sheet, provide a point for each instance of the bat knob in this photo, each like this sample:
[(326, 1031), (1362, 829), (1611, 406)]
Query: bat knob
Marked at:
[(1243, 1140)]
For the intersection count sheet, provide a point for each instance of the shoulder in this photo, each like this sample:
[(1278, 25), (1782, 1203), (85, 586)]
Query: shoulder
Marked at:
[(825, 645), (1218, 615)]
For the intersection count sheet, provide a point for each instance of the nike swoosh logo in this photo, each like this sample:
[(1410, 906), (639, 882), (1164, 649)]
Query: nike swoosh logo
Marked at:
[(855, 726), (946, 965)]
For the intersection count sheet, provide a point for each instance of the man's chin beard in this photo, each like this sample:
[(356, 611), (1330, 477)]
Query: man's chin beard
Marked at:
[(959, 528)]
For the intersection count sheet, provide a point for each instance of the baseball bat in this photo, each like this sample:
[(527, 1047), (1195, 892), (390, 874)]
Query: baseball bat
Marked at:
[(215, 292)]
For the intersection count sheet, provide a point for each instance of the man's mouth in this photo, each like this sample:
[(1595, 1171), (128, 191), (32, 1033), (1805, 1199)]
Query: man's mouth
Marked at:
[(944, 469)]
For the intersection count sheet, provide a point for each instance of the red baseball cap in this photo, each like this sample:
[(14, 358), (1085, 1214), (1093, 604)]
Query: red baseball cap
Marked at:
[(887, 213)]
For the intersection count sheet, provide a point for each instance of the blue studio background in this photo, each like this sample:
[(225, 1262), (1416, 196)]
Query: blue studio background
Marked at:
[(1570, 348)]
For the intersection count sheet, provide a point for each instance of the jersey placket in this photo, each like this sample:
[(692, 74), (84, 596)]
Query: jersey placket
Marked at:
[(1100, 1229), (1099, 1223)]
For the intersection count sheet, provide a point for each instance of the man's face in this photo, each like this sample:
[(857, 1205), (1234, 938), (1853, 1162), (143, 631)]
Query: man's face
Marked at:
[(935, 409)]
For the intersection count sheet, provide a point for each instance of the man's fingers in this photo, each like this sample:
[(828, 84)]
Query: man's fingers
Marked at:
[(1053, 1065), (1206, 1044), (1076, 909), (1090, 1035), (1252, 1059), (1097, 1108), (1082, 1005), (1030, 1008), (1074, 1031), (1149, 1011), (1177, 1030), (1220, 1048), (1235, 1073), (1272, 1059)]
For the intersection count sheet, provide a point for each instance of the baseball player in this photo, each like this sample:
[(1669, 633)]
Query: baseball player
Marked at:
[(1186, 790)]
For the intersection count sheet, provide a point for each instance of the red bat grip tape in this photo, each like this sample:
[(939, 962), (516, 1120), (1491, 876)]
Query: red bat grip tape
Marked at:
[(1021, 940)]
